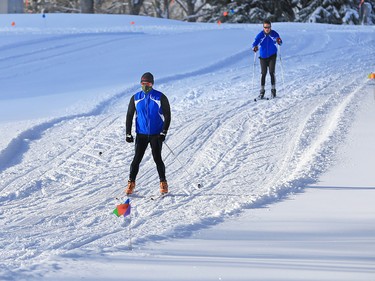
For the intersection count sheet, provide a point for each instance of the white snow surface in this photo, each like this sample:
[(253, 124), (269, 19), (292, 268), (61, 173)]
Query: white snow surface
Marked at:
[(287, 184)]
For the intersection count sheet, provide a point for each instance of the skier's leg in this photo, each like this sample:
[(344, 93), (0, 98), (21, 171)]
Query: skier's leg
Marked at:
[(141, 143), (272, 68), (263, 67), (156, 146)]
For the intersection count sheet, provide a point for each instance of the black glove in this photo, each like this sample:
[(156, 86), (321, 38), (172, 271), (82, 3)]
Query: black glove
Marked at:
[(163, 135), (255, 49), (129, 138)]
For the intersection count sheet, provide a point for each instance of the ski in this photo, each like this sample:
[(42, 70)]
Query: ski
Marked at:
[(138, 196), (155, 197), (256, 99), (158, 196), (265, 98), (134, 195)]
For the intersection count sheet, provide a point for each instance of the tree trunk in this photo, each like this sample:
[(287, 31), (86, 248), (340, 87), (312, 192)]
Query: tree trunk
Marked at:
[(190, 4), (166, 8), (87, 6), (135, 6)]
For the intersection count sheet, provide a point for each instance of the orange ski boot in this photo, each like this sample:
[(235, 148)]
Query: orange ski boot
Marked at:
[(131, 185), (163, 187)]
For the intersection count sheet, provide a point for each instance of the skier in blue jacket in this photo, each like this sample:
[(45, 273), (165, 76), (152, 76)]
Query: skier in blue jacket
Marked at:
[(266, 42), (153, 117)]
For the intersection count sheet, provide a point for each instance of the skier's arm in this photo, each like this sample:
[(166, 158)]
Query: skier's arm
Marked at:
[(129, 116), (257, 40), (166, 112)]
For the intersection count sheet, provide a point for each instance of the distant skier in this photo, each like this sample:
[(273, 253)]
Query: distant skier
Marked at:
[(364, 12), (267, 40), (153, 117)]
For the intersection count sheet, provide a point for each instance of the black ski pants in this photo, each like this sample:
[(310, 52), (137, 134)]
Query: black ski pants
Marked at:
[(141, 143), (269, 63)]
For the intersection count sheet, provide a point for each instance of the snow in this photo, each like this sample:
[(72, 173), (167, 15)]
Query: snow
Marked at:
[(287, 184)]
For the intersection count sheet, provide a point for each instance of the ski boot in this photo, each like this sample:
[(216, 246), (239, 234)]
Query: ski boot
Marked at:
[(131, 186), (273, 93), (261, 94), (163, 187)]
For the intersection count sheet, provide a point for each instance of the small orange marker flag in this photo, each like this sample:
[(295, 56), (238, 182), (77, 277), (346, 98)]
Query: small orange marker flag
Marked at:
[(13, 23)]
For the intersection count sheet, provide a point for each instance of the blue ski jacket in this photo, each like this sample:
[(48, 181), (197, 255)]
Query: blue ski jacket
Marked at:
[(267, 43), (153, 114)]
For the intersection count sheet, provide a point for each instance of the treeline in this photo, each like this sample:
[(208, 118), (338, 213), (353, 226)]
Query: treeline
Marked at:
[(231, 11)]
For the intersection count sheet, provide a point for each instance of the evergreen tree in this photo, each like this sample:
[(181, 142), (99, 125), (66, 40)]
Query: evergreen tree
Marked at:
[(250, 11), (230, 11), (254, 11)]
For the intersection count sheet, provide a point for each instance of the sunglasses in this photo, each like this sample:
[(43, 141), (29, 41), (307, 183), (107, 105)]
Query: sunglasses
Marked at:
[(267, 27), (146, 84)]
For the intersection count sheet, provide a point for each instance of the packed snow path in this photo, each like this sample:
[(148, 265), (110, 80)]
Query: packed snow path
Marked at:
[(59, 179)]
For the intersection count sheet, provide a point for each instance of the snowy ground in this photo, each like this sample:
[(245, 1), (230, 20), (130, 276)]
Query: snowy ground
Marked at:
[(286, 188)]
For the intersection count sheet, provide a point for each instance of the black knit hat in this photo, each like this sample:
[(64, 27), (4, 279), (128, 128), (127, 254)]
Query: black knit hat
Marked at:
[(147, 77)]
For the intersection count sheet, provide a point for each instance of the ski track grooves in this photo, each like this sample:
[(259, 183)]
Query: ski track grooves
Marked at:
[(247, 155), (12, 154)]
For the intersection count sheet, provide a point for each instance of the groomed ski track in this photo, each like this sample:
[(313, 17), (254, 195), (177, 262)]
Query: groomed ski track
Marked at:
[(57, 188)]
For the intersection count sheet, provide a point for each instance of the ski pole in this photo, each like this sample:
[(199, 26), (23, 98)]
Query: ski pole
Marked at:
[(183, 167), (282, 68), (252, 84), (130, 232)]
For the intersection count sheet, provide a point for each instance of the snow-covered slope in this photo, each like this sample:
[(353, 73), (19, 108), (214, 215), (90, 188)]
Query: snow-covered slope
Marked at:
[(65, 85)]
